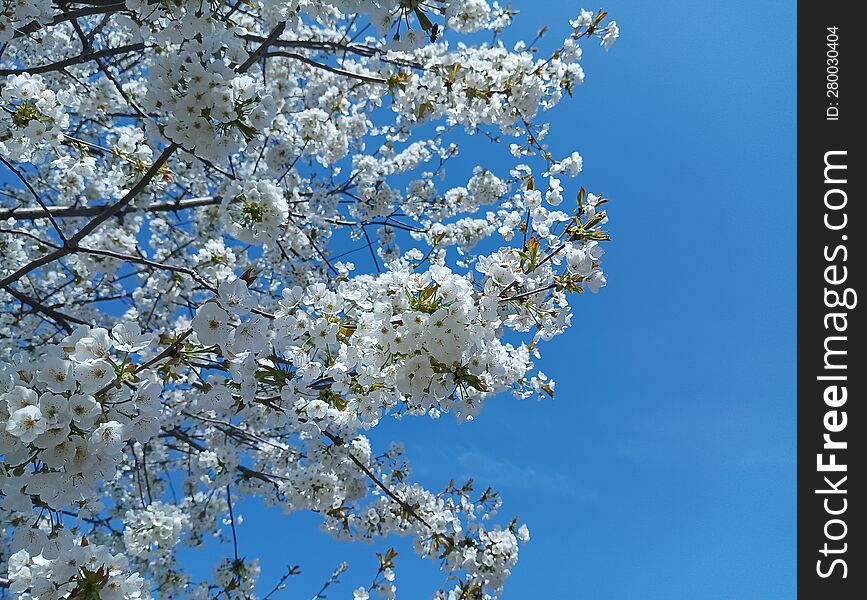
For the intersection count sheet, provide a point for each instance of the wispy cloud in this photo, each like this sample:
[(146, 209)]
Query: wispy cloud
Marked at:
[(503, 473)]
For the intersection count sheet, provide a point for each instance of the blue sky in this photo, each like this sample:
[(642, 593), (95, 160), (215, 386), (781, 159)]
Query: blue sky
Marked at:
[(671, 474)]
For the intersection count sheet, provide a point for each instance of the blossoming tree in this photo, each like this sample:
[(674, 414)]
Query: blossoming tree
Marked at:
[(182, 185)]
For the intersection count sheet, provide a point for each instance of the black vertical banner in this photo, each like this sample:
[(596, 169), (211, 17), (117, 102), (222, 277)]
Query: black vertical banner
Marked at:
[(832, 368)]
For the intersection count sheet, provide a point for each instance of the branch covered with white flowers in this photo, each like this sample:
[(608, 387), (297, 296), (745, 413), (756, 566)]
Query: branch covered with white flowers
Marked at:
[(186, 190)]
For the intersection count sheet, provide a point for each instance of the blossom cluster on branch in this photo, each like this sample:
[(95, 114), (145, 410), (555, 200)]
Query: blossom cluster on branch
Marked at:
[(185, 185)]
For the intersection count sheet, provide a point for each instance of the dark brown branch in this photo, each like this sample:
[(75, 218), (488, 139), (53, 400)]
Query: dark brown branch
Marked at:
[(338, 441), (105, 9), (167, 352), (95, 222), (263, 47), (36, 196), (150, 263), (23, 214), (75, 60), (58, 317), (325, 45), (199, 447), (326, 67)]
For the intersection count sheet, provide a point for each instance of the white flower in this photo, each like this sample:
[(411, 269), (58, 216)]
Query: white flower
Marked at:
[(571, 165), (501, 275), (584, 19), (55, 409), (254, 211), (250, 336), (19, 397), (109, 435), (468, 16), (129, 338), (594, 249), (360, 594), (84, 409), (592, 202), (596, 281), (153, 530), (554, 195), (93, 375), (579, 261), (94, 345), (235, 297), (26, 424), (317, 409), (612, 32), (56, 373), (211, 324)]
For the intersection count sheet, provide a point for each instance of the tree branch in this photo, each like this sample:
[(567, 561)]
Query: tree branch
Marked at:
[(75, 60), (23, 214), (58, 317), (72, 242), (325, 67), (104, 9)]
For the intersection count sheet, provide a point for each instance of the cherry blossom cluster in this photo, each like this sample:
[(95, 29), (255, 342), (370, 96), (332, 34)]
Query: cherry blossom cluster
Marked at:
[(34, 117), (236, 237), (20, 13), (68, 566), (64, 416)]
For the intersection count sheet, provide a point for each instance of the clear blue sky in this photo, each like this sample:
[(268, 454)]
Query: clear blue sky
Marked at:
[(673, 474)]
